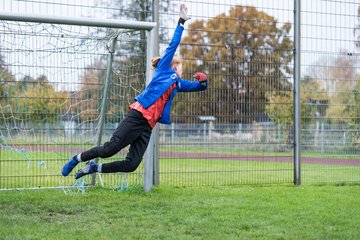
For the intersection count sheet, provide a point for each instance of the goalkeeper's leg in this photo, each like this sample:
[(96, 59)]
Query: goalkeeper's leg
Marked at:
[(133, 158), (126, 133), (130, 164)]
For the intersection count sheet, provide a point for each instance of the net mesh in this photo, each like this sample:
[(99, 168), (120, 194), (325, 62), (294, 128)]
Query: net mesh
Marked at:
[(52, 79)]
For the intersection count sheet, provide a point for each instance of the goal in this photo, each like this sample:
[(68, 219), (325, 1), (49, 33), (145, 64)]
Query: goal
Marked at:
[(65, 85)]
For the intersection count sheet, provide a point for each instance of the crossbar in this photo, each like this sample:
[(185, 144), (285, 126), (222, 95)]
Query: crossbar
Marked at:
[(92, 22)]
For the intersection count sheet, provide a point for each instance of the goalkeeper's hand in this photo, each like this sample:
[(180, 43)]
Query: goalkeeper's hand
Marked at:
[(183, 14), (200, 76)]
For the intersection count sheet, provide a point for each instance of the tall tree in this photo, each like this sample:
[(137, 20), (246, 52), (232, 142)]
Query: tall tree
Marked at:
[(39, 103), (338, 79), (246, 54), (280, 108), (6, 82), (345, 105), (133, 43), (88, 98), (7, 90), (140, 10)]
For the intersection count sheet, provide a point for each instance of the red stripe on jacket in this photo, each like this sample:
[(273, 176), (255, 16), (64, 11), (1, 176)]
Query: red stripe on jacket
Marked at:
[(153, 113)]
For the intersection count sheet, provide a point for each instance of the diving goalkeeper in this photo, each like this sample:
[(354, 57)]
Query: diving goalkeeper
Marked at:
[(150, 106)]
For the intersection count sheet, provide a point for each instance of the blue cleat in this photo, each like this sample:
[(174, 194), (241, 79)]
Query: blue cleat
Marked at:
[(90, 167), (69, 166)]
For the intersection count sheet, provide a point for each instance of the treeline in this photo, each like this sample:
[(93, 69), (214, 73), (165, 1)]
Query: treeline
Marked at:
[(247, 55)]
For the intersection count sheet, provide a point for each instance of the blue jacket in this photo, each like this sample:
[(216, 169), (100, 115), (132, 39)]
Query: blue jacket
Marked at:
[(164, 77)]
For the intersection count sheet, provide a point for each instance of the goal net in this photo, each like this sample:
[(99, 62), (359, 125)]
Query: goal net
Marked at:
[(52, 80)]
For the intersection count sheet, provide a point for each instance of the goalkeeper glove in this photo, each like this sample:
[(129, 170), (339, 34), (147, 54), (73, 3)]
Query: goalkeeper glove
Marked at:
[(183, 14), (200, 76)]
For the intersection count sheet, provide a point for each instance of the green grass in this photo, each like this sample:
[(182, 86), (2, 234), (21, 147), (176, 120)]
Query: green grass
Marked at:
[(233, 150), (282, 212)]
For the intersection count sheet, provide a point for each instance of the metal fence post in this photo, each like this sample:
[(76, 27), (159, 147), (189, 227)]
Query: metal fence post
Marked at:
[(297, 36), (104, 99)]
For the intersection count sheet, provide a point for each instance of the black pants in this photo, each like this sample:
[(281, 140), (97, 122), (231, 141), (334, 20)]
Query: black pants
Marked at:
[(134, 130)]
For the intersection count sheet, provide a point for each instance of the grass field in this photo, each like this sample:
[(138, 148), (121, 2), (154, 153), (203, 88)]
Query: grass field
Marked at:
[(272, 212), (17, 172), (171, 212)]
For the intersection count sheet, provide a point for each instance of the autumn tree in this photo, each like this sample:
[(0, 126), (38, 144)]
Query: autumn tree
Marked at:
[(7, 90), (132, 44), (345, 105), (342, 85), (6, 83), (333, 72), (246, 55), (38, 102), (280, 108), (138, 10), (88, 99), (126, 81)]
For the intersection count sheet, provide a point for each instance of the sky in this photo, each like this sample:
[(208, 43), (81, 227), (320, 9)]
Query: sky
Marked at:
[(327, 28)]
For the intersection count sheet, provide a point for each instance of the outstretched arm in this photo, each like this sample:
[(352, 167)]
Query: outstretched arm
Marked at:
[(166, 59), (190, 86)]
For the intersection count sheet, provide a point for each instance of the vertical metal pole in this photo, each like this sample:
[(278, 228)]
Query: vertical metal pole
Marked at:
[(297, 51), (105, 98), (155, 44), (150, 151)]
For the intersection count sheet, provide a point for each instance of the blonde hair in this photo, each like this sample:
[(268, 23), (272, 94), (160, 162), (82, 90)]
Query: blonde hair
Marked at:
[(176, 60)]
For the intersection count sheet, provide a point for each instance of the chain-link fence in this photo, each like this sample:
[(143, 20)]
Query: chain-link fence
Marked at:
[(246, 48), (330, 86), (239, 131)]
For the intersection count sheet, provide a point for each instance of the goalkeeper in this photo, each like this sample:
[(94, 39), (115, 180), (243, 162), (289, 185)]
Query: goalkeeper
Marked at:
[(150, 106)]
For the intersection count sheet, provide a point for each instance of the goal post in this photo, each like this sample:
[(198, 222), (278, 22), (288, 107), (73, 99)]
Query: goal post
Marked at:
[(152, 50)]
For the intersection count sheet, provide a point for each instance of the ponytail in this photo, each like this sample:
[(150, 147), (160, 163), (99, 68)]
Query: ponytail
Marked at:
[(155, 61)]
